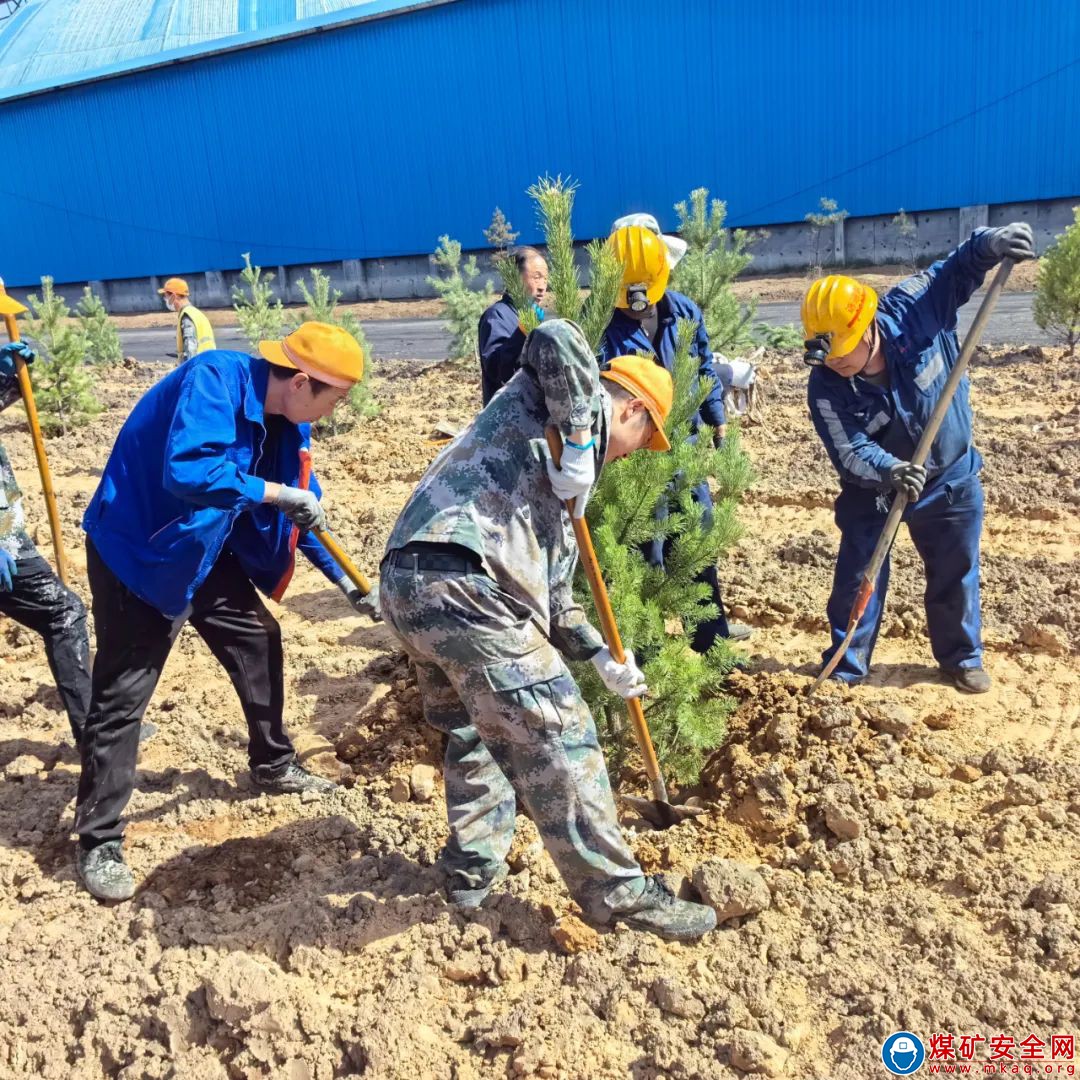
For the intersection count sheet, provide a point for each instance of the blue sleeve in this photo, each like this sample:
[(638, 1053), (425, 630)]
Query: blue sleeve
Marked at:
[(203, 428), (712, 408), (927, 303), (855, 456), (500, 342)]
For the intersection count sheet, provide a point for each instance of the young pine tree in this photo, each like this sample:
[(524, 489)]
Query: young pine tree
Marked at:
[(658, 610), (321, 300), (500, 235), (463, 303), (715, 257), (822, 221), (102, 337), (63, 387), (260, 314), (1057, 289)]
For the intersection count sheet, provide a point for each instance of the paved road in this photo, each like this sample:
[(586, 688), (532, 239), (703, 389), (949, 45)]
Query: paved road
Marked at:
[(426, 339)]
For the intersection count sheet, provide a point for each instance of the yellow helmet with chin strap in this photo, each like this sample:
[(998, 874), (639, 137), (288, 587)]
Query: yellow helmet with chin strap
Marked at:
[(840, 309), (645, 266)]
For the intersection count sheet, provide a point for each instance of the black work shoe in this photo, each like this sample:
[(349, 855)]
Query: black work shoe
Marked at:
[(103, 871), (294, 780), (661, 912), (737, 631), (971, 680), (471, 897)]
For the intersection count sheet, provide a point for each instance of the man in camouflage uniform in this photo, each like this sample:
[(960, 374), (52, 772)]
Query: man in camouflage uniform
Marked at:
[(476, 583), (30, 593)]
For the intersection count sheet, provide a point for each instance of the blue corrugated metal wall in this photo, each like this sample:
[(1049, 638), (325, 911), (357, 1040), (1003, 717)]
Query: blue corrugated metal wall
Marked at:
[(372, 140)]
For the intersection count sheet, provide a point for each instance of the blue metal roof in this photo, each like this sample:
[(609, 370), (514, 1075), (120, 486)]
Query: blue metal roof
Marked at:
[(50, 43)]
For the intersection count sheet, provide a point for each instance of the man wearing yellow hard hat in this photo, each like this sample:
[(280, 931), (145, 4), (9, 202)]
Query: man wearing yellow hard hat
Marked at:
[(477, 584), (207, 494), (194, 334), (646, 320), (878, 367)]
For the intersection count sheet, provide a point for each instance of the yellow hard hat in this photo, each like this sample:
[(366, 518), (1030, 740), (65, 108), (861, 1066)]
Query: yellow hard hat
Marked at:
[(644, 260), (8, 304), (327, 353), (649, 381), (842, 308), (176, 285)]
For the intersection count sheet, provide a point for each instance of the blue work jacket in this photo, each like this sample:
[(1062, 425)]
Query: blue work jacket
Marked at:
[(627, 337), (501, 340), (867, 429), (186, 477)]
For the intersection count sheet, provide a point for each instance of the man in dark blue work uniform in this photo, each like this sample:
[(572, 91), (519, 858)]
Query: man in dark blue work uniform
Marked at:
[(878, 371), (501, 335), (646, 322)]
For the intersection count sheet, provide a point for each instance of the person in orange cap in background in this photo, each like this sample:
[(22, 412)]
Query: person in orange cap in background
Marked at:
[(477, 585), (205, 497), (194, 334)]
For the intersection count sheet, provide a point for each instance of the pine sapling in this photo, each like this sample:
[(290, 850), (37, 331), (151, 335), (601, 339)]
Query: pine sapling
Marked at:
[(321, 300), (63, 386), (825, 218), (102, 337), (259, 312), (500, 235), (1057, 288), (907, 228), (463, 303)]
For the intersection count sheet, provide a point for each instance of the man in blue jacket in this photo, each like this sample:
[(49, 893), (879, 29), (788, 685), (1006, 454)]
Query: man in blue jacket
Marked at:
[(646, 321), (205, 497), (878, 369), (501, 336)]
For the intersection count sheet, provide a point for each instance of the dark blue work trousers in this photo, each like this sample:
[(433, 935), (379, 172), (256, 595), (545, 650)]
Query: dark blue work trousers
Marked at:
[(945, 525)]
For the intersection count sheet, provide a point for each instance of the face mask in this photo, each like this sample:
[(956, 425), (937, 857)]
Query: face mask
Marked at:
[(168, 303)]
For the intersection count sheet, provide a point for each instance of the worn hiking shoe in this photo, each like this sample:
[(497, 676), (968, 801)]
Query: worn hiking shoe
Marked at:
[(103, 871), (295, 780), (470, 897), (971, 680), (737, 631), (661, 912)]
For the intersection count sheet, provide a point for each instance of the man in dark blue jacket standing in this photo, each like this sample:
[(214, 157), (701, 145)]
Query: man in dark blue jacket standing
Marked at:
[(878, 369), (500, 333), (646, 322), (205, 497)]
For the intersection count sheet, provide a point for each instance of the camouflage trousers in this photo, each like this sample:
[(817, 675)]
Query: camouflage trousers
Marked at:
[(516, 723)]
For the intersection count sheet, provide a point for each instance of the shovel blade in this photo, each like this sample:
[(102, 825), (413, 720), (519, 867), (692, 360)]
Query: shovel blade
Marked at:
[(662, 815)]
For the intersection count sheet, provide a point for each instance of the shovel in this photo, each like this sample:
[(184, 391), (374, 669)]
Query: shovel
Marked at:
[(9, 308), (922, 452), (343, 560), (658, 811)]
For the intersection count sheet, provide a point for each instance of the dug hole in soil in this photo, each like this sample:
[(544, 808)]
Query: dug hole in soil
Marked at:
[(891, 857)]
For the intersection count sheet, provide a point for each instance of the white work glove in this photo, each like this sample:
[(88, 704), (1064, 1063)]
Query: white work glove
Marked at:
[(627, 680), (301, 507), (365, 603), (1015, 241), (574, 478)]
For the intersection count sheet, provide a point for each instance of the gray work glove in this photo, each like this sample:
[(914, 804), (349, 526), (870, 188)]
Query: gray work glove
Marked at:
[(300, 507), (1015, 241), (908, 479), (364, 603)]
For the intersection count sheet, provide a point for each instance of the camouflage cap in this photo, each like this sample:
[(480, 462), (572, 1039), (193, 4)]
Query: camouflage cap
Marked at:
[(558, 337)]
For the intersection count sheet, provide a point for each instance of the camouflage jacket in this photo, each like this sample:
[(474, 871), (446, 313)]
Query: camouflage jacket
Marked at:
[(488, 491), (13, 538)]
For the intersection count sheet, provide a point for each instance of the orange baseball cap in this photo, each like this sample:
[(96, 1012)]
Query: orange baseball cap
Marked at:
[(327, 353), (646, 379), (176, 285)]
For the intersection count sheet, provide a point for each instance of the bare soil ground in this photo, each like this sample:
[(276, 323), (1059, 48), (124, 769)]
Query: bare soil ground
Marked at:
[(894, 856)]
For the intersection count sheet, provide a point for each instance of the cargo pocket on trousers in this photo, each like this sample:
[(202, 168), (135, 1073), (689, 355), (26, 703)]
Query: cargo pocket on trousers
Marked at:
[(531, 686)]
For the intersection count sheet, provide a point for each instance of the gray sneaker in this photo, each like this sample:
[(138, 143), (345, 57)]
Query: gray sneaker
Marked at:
[(661, 912), (471, 897), (294, 780), (103, 871)]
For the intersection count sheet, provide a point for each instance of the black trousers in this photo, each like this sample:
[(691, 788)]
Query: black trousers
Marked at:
[(133, 643), (39, 601)]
